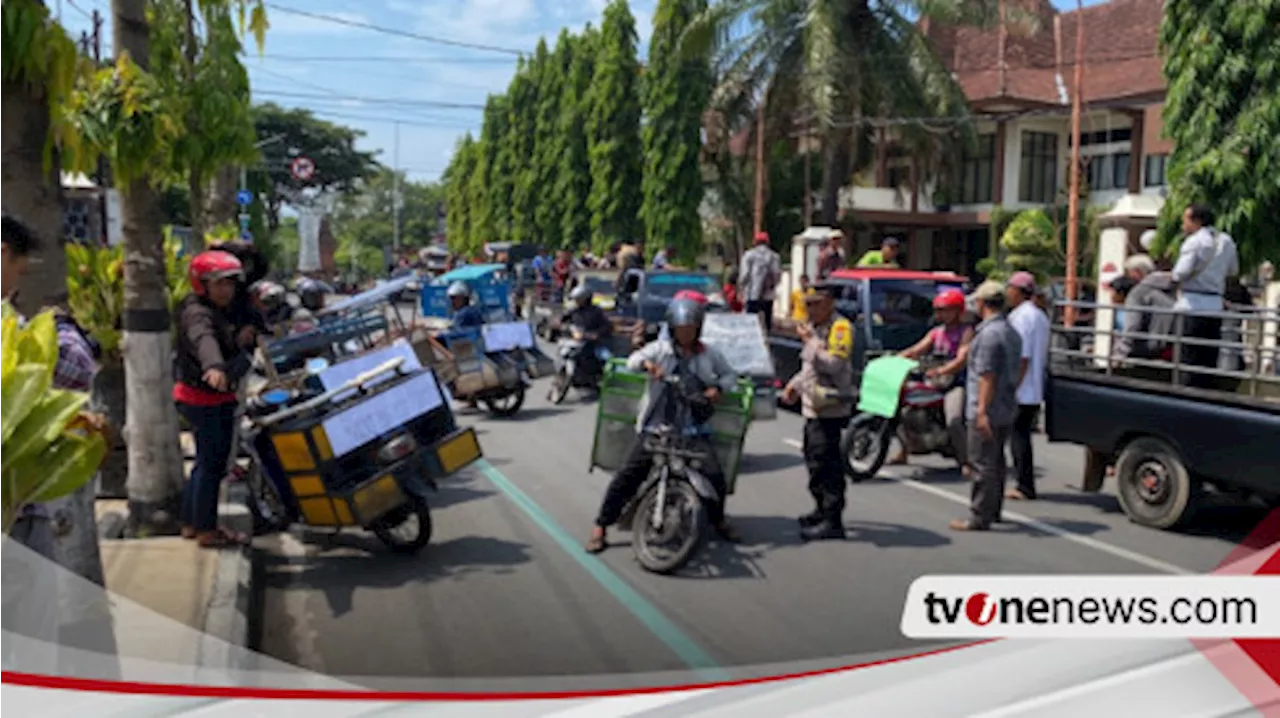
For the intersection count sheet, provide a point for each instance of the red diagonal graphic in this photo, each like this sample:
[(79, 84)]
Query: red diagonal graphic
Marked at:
[(1252, 666)]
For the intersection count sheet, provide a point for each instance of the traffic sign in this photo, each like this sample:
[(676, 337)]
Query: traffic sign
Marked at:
[(302, 168), (244, 198)]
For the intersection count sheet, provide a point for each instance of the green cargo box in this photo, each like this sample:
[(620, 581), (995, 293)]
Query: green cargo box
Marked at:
[(615, 432)]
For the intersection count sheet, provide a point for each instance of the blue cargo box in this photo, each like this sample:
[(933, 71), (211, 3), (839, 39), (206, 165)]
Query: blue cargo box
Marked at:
[(489, 285)]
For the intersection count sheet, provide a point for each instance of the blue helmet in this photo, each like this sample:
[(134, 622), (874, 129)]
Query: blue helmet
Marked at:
[(684, 313)]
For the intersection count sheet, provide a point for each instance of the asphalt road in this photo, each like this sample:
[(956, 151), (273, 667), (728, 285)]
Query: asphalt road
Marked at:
[(505, 590)]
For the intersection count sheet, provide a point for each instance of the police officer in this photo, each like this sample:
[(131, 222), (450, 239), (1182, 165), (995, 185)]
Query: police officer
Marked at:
[(824, 386)]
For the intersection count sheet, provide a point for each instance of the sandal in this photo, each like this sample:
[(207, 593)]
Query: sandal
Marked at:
[(222, 538), (187, 532), (596, 544)]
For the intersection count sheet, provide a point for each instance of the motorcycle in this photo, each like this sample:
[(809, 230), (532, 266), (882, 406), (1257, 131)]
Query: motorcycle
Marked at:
[(577, 369), (667, 515), (918, 420)]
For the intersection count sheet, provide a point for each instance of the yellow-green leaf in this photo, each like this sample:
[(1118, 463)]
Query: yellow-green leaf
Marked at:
[(20, 392), (42, 426), (67, 466)]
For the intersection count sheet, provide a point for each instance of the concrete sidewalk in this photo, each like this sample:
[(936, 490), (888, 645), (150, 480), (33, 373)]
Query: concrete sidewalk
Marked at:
[(208, 590)]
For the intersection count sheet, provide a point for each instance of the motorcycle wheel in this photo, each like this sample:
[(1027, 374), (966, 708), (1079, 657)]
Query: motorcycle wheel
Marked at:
[(270, 514), (559, 386), (406, 529), (690, 520), (865, 446), (506, 405)]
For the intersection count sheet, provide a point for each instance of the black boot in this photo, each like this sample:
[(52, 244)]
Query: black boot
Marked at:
[(813, 518), (825, 530)]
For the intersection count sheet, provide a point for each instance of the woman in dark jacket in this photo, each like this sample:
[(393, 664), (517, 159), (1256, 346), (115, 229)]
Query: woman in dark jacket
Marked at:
[(213, 354)]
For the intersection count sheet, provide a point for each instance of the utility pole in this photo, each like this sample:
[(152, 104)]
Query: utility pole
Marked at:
[(808, 188), (1073, 198), (395, 193), (759, 209)]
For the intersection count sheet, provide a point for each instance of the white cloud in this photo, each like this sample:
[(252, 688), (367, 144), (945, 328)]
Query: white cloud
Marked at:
[(287, 24)]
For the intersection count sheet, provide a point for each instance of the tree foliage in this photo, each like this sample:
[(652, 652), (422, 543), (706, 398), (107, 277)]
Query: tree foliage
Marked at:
[(363, 222), (552, 74), (457, 195), (573, 181), (676, 90), (493, 207), (521, 147), (613, 131), (1222, 61)]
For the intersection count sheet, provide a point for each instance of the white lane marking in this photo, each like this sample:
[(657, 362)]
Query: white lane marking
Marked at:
[(1095, 544), (1027, 707)]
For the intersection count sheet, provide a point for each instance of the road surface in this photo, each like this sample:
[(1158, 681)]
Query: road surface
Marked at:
[(505, 590)]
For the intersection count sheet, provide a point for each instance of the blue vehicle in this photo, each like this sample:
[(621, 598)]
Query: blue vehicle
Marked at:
[(490, 285)]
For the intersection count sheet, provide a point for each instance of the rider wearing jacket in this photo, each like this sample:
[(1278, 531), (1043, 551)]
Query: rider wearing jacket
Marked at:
[(594, 325), (948, 344), (466, 315), (686, 354)]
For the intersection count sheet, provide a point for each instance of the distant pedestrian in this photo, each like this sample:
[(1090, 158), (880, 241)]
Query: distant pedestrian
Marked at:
[(1207, 258), (799, 309), (760, 271), (831, 257), (662, 260), (886, 256), (991, 405), (1032, 326)]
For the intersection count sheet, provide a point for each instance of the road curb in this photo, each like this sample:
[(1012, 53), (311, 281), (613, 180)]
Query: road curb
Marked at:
[(226, 630)]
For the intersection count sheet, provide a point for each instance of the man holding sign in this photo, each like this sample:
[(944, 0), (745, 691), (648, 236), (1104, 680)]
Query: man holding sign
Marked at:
[(824, 386)]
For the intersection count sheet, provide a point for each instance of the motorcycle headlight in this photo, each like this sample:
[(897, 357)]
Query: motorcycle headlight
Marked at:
[(659, 459), (396, 449), (677, 464)]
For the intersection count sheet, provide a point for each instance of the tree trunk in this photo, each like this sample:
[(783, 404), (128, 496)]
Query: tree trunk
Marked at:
[(222, 207), (151, 432), (108, 399)]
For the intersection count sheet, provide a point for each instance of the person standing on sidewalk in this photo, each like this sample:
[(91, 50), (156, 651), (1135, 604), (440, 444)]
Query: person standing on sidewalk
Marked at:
[(760, 271), (1032, 326), (1205, 261), (824, 386), (212, 355), (991, 399)]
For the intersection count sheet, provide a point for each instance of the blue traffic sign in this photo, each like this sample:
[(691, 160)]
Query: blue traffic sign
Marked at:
[(244, 197)]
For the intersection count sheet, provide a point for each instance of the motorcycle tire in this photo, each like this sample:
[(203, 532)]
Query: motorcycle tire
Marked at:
[(669, 564), (385, 527), (507, 405), (269, 511), (877, 433), (559, 387)]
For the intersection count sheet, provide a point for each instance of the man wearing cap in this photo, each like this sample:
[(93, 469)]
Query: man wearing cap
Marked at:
[(991, 404), (761, 268), (1032, 326), (886, 256), (824, 386)]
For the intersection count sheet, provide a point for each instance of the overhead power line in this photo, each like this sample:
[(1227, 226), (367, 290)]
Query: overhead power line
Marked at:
[(373, 100), (392, 31), (383, 58)]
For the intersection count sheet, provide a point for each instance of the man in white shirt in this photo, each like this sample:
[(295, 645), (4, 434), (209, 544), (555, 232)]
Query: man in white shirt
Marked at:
[(1207, 257), (1033, 326)]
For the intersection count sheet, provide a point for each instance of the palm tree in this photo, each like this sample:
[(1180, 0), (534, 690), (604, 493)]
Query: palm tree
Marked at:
[(831, 68)]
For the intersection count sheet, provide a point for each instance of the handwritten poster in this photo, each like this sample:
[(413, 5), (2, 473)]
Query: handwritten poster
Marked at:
[(507, 336), (741, 339), (341, 373), (378, 415)]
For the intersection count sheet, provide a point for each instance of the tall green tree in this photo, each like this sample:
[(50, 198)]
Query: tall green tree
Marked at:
[(551, 85), (457, 180), (493, 212), (573, 181), (677, 87), (1222, 60), (613, 131), (520, 148), (476, 197)]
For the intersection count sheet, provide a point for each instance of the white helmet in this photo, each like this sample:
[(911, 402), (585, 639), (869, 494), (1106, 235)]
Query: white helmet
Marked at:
[(459, 289)]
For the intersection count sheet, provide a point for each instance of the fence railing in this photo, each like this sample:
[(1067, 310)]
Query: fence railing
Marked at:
[(1248, 333)]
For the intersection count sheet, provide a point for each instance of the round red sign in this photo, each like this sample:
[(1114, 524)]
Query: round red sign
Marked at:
[(302, 168)]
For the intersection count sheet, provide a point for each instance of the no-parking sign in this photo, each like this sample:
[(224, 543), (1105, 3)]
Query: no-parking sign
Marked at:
[(302, 168)]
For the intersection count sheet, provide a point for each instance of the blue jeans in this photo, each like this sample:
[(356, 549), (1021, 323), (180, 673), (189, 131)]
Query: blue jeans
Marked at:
[(214, 429)]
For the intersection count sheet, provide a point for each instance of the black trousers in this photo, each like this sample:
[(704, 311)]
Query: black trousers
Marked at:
[(1020, 447), (762, 306), (635, 469), (1208, 328), (826, 466)]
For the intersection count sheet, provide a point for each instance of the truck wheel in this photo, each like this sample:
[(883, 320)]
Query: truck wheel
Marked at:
[(1153, 484)]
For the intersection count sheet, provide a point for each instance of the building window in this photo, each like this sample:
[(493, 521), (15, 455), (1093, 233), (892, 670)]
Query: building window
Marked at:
[(1107, 172), (976, 171), (1038, 178), (1105, 137), (1156, 167)]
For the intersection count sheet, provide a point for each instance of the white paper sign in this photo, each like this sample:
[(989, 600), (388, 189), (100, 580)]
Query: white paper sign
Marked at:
[(339, 374), (741, 339), (507, 336), (376, 416)]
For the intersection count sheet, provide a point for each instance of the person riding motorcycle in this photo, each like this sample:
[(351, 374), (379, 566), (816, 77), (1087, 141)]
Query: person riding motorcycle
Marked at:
[(466, 315), (948, 345), (686, 354), (311, 292), (270, 300), (593, 325)]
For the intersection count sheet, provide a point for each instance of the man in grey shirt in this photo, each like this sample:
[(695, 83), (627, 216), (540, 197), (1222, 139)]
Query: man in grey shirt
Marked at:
[(991, 404), (761, 268), (1205, 260)]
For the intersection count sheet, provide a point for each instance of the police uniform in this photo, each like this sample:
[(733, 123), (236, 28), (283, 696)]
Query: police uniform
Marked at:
[(825, 386)]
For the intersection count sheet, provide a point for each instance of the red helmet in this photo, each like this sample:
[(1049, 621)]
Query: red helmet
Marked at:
[(211, 265), (949, 299), (692, 295)]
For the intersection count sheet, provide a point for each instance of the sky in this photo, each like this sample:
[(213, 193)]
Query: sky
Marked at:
[(369, 80)]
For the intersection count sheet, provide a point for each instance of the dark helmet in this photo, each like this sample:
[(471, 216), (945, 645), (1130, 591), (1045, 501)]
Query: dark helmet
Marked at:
[(685, 313), (580, 294)]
